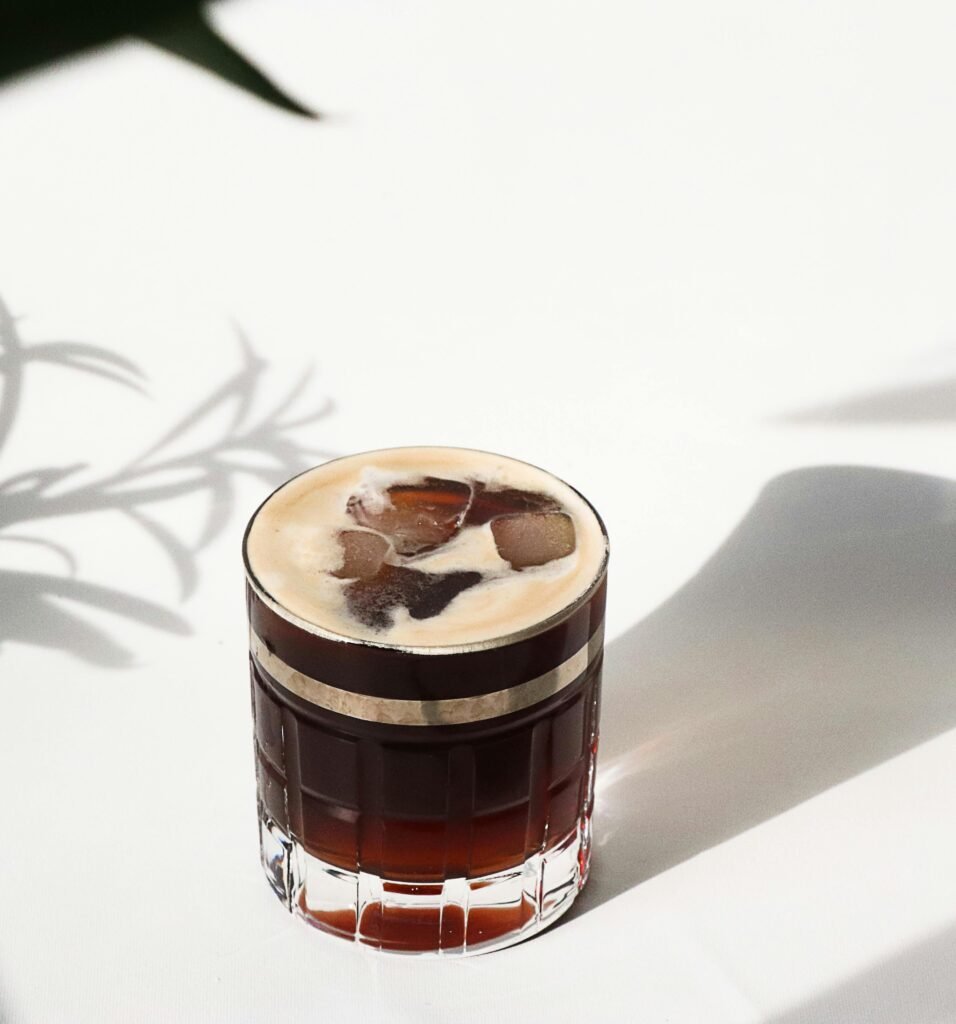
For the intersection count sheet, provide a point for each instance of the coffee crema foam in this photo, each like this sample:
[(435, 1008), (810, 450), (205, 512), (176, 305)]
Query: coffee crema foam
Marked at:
[(294, 549)]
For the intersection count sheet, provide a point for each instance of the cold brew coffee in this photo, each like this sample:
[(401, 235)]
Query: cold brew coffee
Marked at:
[(426, 630)]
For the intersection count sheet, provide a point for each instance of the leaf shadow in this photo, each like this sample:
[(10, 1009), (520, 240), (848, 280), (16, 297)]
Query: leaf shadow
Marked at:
[(47, 609), (929, 402), (39, 33), (190, 36), (34, 613)]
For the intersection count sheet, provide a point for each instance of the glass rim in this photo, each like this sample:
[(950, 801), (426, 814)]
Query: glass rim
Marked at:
[(490, 643)]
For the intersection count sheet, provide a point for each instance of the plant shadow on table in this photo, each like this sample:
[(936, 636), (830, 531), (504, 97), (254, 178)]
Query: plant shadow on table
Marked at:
[(41, 608), (816, 643), (39, 33), (926, 402)]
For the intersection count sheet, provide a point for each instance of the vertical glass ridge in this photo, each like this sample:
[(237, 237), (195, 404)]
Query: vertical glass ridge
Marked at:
[(451, 844)]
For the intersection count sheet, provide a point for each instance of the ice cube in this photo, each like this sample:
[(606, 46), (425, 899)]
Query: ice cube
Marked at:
[(417, 517), (533, 538), (362, 554), (486, 504), (424, 594)]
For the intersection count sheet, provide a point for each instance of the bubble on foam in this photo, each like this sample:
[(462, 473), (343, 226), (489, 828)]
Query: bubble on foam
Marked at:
[(372, 487)]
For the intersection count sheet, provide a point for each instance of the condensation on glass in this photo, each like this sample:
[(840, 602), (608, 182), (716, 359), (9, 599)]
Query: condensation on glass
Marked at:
[(426, 800)]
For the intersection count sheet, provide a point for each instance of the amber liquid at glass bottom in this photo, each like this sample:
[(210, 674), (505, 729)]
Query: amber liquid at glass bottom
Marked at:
[(364, 824)]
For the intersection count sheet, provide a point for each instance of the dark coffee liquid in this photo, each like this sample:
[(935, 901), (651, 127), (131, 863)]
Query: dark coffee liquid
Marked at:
[(418, 931), (424, 804), (419, 805)]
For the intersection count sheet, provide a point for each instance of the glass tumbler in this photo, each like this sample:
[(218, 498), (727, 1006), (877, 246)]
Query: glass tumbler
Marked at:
[(426, 799)]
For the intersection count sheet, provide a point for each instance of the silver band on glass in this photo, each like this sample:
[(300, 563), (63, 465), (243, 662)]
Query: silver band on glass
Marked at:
[(455, 711)]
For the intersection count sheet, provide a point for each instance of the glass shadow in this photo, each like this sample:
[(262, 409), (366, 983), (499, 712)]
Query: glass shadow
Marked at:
[(816, 643)]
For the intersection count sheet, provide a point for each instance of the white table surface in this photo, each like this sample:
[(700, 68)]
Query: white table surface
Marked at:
[(698, 259)]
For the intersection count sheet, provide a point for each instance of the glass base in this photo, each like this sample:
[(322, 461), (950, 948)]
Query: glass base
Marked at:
[(457, 917)]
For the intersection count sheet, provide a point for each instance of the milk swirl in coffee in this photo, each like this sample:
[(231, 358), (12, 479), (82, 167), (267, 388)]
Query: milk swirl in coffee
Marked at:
[(425, 546)]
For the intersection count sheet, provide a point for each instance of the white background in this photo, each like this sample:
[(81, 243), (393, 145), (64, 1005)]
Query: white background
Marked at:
[(672, 252)]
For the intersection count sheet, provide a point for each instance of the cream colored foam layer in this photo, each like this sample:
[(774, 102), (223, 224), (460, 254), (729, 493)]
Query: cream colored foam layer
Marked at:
[(292, 548)]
